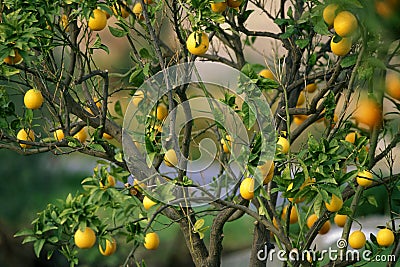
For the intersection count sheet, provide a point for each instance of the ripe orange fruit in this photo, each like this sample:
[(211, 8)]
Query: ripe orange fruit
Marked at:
[(351, 137), (97, 20), (283, 145), (226, 146), (119, 10), (218, 7), (26, 135), (81, 135), (170, 158), (197, 45), (234, 3), (325, 227), (368, 113), (357, 239), (340, 219), (393, 85), (345, 24), (342, 47), (364, 178), (108, 15), (311, 88), (301, 99), (266, 73), (299, 119), (329, 13), (137, 10), (111, 181), (85, 239), (293, 214), (335, 204), (297, 200), (246, 188), (267, 171), (137, 98), (148, 203), (12, 60), (107, 136), (162, 112), (385, 237), (151, 241), (384, 9), (58, 134), (111, 247), (33, 99)]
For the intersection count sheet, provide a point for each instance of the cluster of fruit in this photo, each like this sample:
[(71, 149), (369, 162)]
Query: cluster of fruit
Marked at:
[(87, 239), (99, 17)]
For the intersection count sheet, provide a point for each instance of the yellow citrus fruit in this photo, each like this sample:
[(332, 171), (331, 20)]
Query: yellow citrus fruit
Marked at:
[(275, 223), (97, 20), (311, 220), (329, 13), (247, 188), (384, 9), (26, 135), (119, 10), (335, 204), (218, 7), (234, 3), (311, 88), (58, 134), (266, 73), (342, 47), (293, 214), (195, 47), (368, 113), (64, 23), (364, 178), (357, 239), (283, 145), (226, 146), (107, 136), (297, 200), (111, 247), (393, 85), (81, 135), (351, 137), (85, 239), (33, 99), (148, 203), (12, 60), (301, 99), (267, 171), (385, 237), (151, 241), (108, 15), (170, 158), (111, 181), (137, 10), (162, 112), (137, 97), (325, 227), (345, 24), (340, 219), (299, 119)]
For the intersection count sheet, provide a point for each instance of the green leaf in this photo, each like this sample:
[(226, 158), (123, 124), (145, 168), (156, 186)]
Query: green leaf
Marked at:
[(37, 246), (248, 116), (23, 232), (349, 61), (118, 108), (372, 200), (117, 32), (302, 43)]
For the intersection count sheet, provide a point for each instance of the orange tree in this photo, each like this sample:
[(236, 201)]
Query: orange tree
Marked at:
[(332, 63)]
